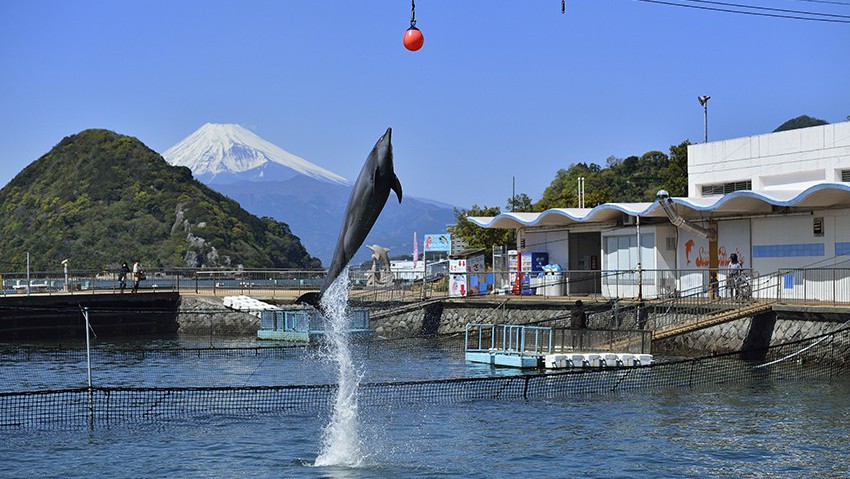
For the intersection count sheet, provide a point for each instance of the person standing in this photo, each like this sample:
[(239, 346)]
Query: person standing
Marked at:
[(578, 324), (578, 318), (734, 276), (137, 275), (122, 276)]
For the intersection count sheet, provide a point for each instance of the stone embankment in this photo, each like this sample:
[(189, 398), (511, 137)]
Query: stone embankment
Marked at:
[(209, 316), (448, 316), (201, 315), (781, 325)]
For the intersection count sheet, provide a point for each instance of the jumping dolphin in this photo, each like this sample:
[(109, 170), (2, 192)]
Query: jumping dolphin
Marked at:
[(368, 197)]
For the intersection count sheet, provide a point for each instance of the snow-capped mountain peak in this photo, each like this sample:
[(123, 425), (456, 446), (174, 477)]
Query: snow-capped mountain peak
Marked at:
[(229, 150)]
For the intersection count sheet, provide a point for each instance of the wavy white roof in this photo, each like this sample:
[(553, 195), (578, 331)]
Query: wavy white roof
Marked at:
[(739, 202)]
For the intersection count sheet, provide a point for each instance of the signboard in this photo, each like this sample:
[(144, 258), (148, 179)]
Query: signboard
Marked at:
[(475, 264), (457, 285), (438, 242), (457, 266)]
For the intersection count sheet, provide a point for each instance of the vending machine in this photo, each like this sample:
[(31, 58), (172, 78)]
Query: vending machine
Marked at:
[(533, 262), (513, 270), (531, 267)]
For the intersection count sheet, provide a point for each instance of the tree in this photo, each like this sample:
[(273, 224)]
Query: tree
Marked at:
[(630, 179), (676, 174), (478, 237), (520, 202), (563, 191)]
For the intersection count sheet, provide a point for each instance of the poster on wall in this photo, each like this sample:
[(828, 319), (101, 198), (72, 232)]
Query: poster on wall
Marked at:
[(475, 264), (457, 266), (457, 285)]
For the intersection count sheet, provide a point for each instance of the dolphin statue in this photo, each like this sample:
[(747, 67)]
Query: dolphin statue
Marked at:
[(379, 254), (368, 197)]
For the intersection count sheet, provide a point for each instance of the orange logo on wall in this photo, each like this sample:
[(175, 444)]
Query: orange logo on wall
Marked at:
[(702, 258), (689, 245)]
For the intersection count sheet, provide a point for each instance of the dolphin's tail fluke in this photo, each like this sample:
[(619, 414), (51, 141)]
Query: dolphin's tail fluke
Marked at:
[(312, 298)]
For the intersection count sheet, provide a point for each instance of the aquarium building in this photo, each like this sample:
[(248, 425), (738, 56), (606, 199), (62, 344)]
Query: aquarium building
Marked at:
[(777, 200)]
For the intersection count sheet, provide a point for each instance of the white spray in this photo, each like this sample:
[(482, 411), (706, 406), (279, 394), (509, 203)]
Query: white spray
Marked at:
[(341, 444)]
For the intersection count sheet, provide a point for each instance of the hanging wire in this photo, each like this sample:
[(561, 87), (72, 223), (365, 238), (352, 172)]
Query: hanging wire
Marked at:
[(758, 14), (412, 13), (563, 6), (783, 10), (829, 2)]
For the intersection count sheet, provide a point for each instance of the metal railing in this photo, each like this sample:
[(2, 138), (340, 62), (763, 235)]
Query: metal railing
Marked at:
[(820, 285), (702, 304), (508, 338), (308, 321), (537, 340), (824, 285)]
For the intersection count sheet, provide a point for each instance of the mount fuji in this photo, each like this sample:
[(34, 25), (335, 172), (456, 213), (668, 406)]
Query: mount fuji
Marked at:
[(225, 153), (268, 181)]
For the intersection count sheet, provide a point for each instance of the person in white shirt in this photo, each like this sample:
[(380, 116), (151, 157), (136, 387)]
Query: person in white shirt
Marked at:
[(734, 276), (137, 275)]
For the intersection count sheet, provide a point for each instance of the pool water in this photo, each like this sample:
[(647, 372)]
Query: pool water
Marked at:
[(764, 428)]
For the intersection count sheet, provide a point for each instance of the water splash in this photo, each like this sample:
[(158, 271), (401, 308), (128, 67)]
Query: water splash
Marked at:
[(341, 443)]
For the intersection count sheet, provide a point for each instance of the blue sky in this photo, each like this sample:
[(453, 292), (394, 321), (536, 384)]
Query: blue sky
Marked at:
[(501, 89)]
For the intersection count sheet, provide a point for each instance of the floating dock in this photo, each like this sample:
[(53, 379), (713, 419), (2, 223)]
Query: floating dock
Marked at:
[(519, 346), (304, 324), (595, 360)]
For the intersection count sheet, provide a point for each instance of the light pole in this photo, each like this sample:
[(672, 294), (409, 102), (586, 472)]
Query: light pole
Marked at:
[(703, 100), (65, 264), (513, 193)]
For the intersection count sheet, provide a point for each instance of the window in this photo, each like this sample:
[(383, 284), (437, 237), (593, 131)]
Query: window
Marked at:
[(726, 188), (817, 226), (845, 176)]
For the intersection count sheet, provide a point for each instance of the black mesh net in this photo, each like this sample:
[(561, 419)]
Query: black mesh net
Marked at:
[(31, 398)]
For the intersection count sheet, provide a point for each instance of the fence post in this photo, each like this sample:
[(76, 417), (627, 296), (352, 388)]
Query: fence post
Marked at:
[(88, 366)]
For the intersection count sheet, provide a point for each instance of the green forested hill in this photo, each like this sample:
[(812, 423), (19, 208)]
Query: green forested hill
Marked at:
[(99, 198), (803, 121)]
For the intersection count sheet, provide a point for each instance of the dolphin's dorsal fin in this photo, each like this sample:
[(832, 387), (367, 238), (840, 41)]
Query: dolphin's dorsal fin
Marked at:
[(396, 186)]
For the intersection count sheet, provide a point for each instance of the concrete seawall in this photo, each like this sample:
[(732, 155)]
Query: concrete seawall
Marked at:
[(58, 317), (782, 324), (203, 315)]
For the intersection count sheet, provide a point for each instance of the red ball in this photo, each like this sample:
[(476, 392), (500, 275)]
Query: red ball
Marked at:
[(413, 39)]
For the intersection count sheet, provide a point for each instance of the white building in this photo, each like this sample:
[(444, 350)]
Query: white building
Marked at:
[(779, 201)]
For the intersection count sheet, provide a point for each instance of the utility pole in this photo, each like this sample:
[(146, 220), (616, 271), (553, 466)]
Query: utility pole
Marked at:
[(513, 193), (580, 192), (703, 100)]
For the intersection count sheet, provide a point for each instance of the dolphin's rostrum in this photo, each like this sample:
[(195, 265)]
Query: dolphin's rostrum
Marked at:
[(368, 197)]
